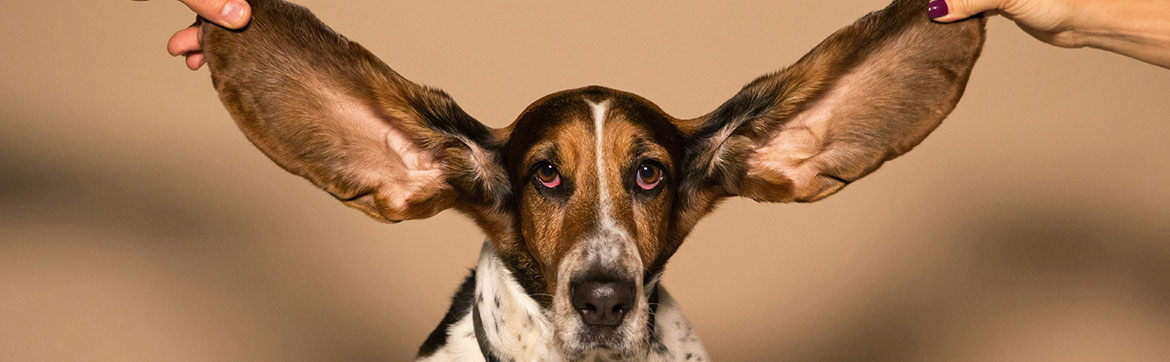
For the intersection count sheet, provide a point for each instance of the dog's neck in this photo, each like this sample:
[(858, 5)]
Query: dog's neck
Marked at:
[(508, 323), (505, 323)]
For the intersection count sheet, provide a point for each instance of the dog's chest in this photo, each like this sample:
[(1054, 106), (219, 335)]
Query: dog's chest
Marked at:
[(504, 322), (678, 341)]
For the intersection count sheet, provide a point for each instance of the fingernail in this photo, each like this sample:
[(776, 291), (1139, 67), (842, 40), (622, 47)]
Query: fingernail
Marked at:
[(937, 9), (233, 13)]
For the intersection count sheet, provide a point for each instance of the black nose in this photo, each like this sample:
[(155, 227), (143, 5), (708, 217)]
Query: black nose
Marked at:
[(602, 303)]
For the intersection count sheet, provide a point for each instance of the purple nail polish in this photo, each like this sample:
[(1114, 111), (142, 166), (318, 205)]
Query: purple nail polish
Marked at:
[(936, 9)]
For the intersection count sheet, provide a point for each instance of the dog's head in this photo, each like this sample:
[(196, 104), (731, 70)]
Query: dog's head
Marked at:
[(590, 191)]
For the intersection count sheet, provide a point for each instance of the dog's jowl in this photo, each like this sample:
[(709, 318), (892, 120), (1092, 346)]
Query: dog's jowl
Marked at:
[(589, 192)]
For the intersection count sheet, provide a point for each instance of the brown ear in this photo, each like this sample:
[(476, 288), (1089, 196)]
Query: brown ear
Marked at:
[(867, 94), (324, 108)]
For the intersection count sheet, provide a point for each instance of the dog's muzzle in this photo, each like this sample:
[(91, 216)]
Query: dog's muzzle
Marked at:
[(602, 301)]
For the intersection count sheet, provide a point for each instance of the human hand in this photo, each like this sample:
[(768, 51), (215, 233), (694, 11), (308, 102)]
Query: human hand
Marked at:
[(1134, 28), (1050, 21), (232, 14)]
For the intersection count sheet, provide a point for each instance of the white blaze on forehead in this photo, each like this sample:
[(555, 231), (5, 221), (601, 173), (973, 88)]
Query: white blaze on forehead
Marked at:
[(603, 247), (611, 248), (599, 110)]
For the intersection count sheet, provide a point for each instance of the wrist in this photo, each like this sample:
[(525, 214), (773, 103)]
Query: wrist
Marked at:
[(1135, 28)]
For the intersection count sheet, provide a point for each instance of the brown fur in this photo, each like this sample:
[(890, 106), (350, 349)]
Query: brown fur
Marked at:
[(326, 109), (547, 223)]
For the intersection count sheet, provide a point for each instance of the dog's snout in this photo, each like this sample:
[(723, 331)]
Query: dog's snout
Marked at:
[(603, 303)]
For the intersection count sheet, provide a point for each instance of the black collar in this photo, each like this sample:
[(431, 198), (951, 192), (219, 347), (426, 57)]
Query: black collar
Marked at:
[(489, 354)]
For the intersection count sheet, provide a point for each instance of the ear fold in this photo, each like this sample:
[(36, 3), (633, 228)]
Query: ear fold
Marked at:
[(324, 108), (867, 94)]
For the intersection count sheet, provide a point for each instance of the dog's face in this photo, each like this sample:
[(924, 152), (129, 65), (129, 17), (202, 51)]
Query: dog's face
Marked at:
[(590, 191), (593, 173)]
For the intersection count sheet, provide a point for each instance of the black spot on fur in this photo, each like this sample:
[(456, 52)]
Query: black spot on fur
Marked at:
[(655, 335), (489, 354), (460, 304)]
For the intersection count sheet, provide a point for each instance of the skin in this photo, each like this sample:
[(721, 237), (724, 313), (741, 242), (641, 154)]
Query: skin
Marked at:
[(233, 14), (1135, 28)]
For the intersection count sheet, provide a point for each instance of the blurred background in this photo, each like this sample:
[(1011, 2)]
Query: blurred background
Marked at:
[(138, 224)]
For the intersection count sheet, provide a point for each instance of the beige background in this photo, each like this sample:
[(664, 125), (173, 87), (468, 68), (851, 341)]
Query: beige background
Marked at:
[(137, 224)]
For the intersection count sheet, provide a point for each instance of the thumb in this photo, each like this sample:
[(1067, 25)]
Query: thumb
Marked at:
[(228, 13), (953, 10)]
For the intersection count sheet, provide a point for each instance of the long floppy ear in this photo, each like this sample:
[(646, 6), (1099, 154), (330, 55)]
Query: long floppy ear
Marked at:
[(324, 108), (867, 94)]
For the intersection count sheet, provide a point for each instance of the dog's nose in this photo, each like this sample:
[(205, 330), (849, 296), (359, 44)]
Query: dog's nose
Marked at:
[(603, 303)]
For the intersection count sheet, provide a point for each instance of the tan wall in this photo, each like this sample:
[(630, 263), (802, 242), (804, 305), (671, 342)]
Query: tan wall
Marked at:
[(138, 224)]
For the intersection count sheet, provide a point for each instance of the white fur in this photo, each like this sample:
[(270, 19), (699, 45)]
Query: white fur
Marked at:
[(609, 246), (603, 201), (517, 328), (677, 334), (461, 344), (517, 340)]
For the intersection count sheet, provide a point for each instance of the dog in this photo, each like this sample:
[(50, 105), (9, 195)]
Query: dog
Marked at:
[(585, 197)]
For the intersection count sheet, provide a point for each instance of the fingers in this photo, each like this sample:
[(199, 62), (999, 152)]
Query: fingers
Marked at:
[(953, 10), (228, 13), (233, 14), (194, 60), (186, 43)]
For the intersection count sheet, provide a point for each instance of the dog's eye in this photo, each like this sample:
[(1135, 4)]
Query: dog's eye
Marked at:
[(547, 175), (649, 175)]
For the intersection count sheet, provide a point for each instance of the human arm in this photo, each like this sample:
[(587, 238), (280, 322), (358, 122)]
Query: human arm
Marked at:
[(1135, 28)]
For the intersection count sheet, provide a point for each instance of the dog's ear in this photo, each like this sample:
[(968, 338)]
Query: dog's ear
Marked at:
[(324, 108), (867, 94)]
